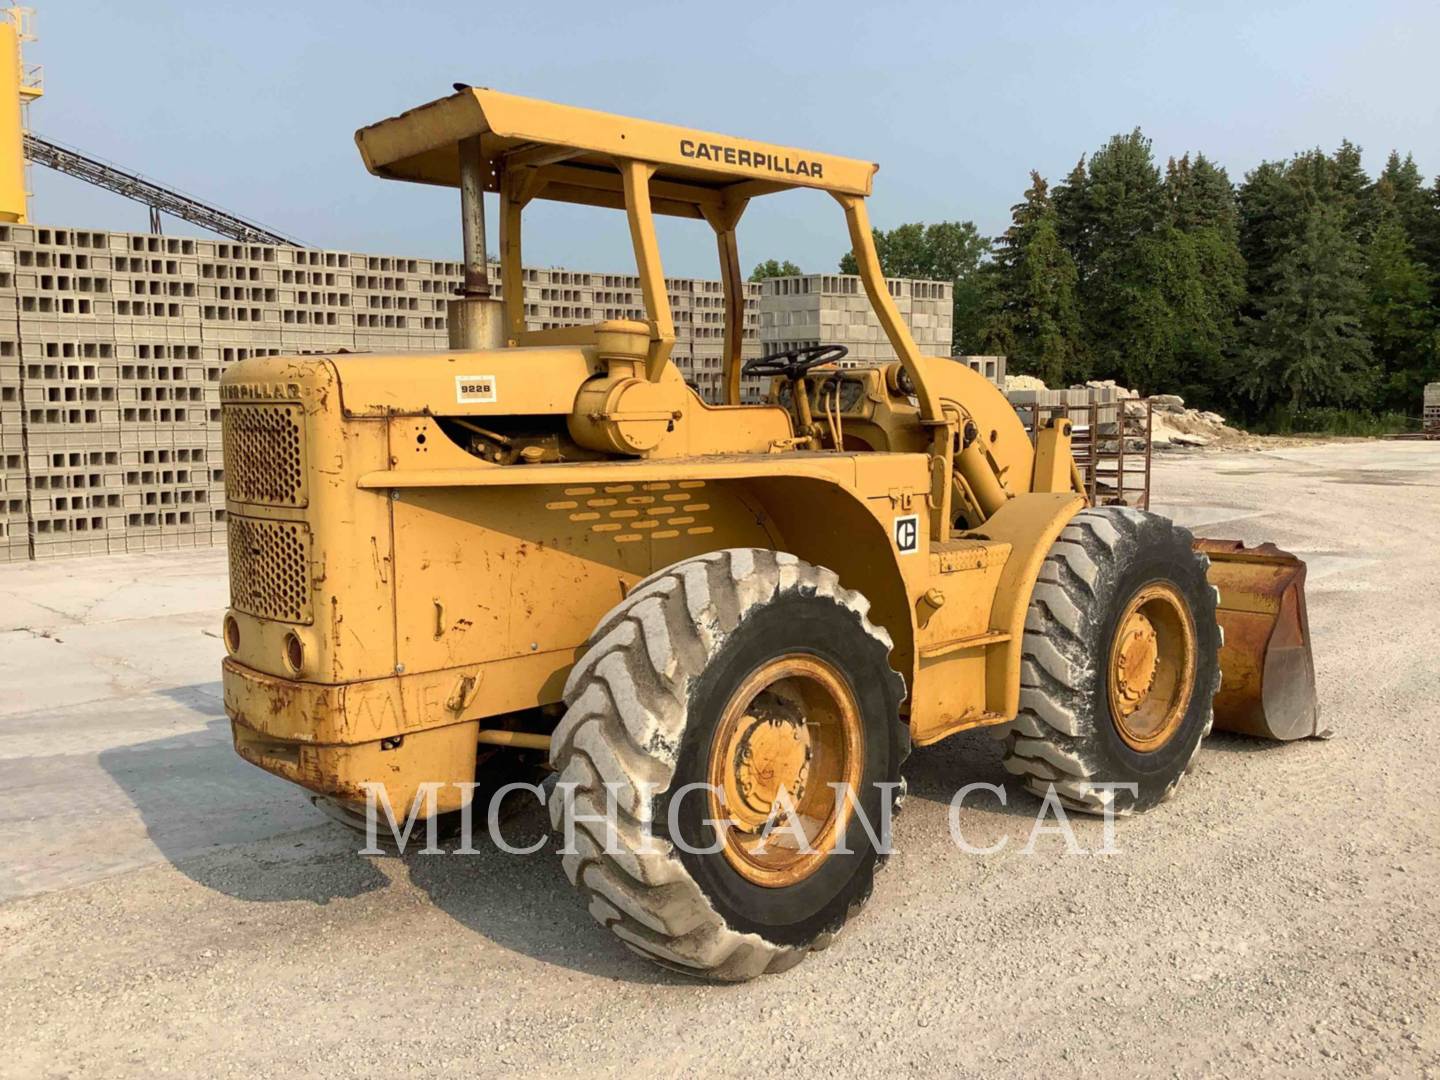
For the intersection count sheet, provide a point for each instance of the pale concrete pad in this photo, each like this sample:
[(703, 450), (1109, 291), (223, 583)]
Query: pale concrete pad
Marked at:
[(114, 750), (1199, 518)]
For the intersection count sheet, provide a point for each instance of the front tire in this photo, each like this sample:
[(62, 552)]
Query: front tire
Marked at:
[(751, 672), (1120, 664)]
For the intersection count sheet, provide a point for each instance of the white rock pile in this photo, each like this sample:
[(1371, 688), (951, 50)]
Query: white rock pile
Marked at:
[(1172, 424), (1023, 382)]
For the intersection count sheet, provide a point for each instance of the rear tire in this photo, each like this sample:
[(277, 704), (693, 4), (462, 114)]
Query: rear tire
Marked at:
[(652, 710), (1088, 714)]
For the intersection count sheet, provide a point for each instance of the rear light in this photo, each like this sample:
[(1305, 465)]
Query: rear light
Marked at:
[(294, 653), (231, 630)]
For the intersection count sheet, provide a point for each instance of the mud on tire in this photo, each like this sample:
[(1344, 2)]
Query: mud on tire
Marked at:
[(1064, 734), (644, 702)]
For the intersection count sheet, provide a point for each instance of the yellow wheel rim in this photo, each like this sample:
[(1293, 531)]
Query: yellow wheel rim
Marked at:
[(1152, 667), (788, 733)]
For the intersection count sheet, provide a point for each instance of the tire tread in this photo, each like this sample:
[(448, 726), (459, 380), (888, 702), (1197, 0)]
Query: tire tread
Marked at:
[(1046, 745), (623, 726)]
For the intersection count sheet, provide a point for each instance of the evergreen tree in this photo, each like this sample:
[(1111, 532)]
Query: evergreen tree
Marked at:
[(1400, 188), (1400, 315), (1110, 215), (1123, 194), (1330, 266), (1350, 188), (1404, 191), (1306, 344), (1310, 286), (1339, 181), (1036, 321), (1426, 237), (1199, 195), (975, 300), (1074, 221), (1204, 276), (1270, 210)]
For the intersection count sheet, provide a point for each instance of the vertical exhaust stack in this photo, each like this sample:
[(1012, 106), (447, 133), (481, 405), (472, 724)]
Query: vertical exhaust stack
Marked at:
[(1267, 686), (472, 319)]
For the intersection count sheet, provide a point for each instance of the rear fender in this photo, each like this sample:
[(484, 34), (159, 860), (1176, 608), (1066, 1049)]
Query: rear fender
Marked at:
[(830, 525)]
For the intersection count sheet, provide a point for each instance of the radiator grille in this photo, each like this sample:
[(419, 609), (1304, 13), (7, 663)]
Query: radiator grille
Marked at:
[(264, 454), (270, 568)]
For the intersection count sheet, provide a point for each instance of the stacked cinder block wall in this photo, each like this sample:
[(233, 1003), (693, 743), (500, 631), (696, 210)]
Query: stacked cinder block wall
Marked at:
[(832, 309), (112, 345), (111, 350), (992, 367), (1432, 408), (564, 297)]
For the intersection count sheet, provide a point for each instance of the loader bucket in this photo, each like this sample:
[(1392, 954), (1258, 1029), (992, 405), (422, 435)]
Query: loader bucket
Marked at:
[(1267, 673)]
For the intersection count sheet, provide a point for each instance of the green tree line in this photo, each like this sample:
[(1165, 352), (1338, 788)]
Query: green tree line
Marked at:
[(774, 268), (1305, 294)]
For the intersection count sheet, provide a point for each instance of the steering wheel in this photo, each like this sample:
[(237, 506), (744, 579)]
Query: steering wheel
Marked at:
[(792, 363)]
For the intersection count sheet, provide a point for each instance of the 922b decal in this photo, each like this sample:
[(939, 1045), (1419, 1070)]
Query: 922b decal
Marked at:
[(474, 389)]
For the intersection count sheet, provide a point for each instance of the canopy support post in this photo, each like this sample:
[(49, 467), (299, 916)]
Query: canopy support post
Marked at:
[(724, 219), (636, 176)]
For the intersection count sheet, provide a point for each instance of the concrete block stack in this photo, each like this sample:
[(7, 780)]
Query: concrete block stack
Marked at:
[(699, 306), (14, 518), (556, 297), (992, 367), (165, 298), (112, 346), (832, 309), (931, 313), (688, 304), (1106, 400), (1432, 408), (65, 336), (398, 303)]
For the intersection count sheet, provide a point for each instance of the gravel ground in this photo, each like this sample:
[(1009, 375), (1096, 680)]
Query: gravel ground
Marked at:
[(167, 909)]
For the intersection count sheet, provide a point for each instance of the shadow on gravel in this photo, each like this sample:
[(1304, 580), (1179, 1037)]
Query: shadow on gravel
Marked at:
[(936, 773), (233, 828), (526, 904), (200, 803), (207, 699), (1228, 742)]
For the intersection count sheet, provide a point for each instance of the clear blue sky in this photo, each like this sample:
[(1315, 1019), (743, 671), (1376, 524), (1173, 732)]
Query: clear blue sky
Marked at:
[(252, 106)]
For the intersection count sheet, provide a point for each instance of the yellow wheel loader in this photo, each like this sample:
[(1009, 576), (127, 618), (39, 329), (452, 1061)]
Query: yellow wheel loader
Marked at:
[(722, 627)]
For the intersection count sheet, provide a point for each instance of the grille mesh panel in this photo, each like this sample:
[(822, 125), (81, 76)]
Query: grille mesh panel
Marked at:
[(264, 449), (270, 569)]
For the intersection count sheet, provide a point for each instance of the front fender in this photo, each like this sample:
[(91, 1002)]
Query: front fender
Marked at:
[(1030, 524)]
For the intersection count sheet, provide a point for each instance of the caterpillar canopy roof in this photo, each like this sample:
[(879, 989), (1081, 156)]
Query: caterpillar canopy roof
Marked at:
[(572, 154)]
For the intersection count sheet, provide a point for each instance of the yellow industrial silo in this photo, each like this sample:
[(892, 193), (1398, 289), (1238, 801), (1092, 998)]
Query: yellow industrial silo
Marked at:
[(18, 86)]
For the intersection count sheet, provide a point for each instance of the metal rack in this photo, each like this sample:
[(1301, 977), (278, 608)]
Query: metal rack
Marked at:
[(1111, 447)]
